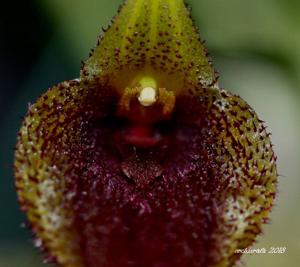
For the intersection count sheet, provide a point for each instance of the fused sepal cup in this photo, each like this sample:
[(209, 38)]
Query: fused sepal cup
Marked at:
[(144, 160)]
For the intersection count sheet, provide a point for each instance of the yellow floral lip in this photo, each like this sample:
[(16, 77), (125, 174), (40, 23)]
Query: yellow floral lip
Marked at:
[(144, 160)]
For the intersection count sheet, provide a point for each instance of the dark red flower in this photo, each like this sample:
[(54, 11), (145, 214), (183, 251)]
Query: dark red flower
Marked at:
[(144, 161)]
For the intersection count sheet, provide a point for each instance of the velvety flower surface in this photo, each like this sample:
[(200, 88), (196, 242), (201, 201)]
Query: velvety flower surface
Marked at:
[(144, 161)]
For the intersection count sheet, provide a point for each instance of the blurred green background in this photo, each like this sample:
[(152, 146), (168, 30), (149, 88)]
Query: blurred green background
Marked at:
[(255, 46)]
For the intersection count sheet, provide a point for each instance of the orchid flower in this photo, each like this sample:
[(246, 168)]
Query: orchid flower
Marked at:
[(144, 160)]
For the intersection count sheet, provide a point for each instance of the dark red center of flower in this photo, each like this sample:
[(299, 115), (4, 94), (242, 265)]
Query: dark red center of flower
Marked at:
[(143, 136), (144, 191)]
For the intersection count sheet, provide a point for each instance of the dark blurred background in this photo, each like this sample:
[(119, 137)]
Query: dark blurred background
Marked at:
[(255, 46)]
